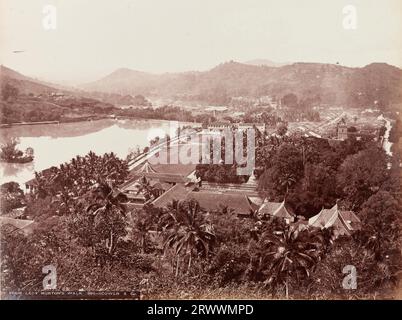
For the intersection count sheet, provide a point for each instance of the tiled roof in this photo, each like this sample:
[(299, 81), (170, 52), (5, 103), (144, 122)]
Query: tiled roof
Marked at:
[(146, 167), (350, 219), (161, 177), (282, 212), (269, 207), (215, 201), (350, 216), (210, 200), (256, 200), (343, 222), (321, 219), (244, 188), (163, 174), (160, 185), (178, 192), (277, 209), (166, 177), (132, 186), (179, 169)]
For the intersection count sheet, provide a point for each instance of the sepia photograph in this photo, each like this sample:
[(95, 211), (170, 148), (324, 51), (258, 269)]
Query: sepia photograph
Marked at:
[(190, 150)]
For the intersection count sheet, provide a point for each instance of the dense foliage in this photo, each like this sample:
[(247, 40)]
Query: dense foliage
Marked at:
[(11, 197), (311, 173), (19, 106), (182, 251), (10, 153)]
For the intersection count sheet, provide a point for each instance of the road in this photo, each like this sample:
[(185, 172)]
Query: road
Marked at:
[(154, 150), (386, 143), (314, 128)]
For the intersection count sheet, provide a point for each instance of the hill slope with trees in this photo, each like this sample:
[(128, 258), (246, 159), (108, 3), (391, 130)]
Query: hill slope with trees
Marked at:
[(332, 84)]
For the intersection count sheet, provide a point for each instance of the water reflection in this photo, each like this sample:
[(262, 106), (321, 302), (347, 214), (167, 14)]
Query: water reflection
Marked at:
[(54, 144)]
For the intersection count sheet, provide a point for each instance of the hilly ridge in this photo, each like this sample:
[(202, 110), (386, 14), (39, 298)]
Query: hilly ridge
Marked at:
[(331, 83), (264, 62), (28, 85), (376, 83), (24, 99), (24, 84)]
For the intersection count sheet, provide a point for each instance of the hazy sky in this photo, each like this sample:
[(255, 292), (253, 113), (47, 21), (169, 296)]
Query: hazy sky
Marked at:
[(94, 37)]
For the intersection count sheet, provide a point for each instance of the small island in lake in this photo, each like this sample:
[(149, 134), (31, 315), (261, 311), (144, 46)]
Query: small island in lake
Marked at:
[(11, 154)]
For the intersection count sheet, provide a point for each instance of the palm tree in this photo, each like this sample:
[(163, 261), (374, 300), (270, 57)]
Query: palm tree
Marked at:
[(187, 231), (287, 254), (143, 223), (287, 180), (81, 173), (109, 214)]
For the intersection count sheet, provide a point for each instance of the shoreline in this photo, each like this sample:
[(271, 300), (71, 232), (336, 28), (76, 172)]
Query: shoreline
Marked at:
[(89, 119), (83, 119), (143, 155), (17, 162)]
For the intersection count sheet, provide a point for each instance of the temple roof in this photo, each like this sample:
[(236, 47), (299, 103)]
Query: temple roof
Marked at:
[(165, 177), (174, 173), (276, 209), (321, 219), (146, 168), (344, 222), (178, 192), (216, 201), (175, 168)]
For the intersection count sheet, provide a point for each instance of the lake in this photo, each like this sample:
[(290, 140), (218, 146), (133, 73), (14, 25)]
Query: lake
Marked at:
[(54, 144)]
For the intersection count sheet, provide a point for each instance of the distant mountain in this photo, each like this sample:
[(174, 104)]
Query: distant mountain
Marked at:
[(120, 80), (28, 85), (24, 84), (329, 83), (265, 62), (7, 72), (26, 99)]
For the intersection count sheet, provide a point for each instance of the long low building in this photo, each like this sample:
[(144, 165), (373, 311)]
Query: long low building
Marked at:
[(211, 200), (177, 192), (161, 178), (233, 126)]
